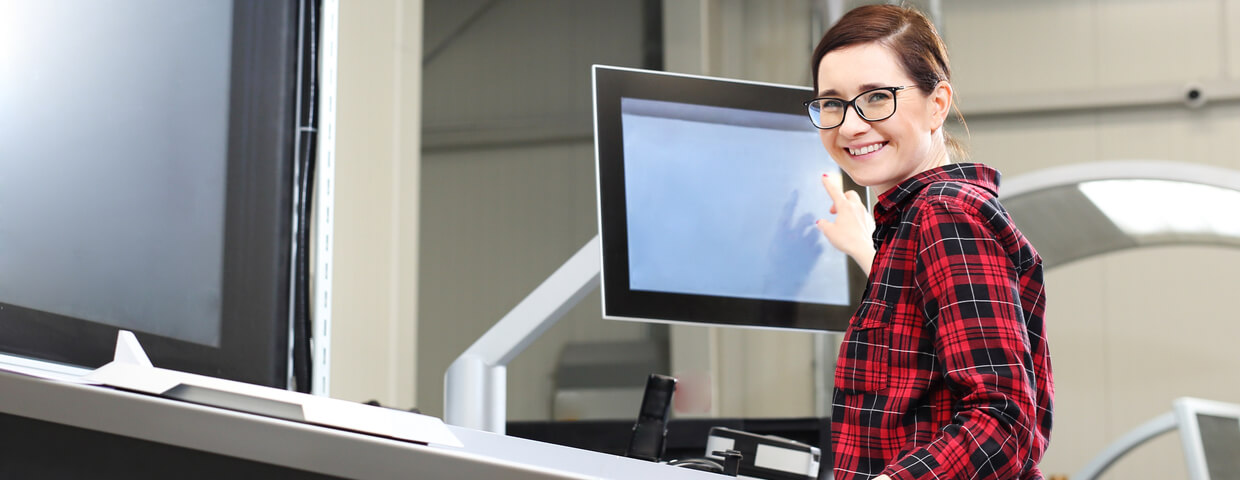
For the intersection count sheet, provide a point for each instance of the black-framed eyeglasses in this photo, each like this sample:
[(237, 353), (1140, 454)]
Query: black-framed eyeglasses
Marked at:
[(872, 105)]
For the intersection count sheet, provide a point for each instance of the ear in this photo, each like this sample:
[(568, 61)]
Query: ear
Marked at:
[(940, 103)]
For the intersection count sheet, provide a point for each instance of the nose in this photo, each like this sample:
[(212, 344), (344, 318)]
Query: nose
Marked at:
[(853, 125)]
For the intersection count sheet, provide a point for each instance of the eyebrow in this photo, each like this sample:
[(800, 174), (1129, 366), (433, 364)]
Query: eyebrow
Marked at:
[(831, 92)]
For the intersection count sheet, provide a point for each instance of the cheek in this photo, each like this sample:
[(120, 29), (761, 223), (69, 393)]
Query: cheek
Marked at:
[(906, 135), (916, 126)]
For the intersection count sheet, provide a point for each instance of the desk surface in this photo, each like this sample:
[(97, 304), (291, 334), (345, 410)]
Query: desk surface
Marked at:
[(308, 447)]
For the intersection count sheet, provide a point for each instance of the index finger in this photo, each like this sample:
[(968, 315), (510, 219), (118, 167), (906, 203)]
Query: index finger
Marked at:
[(835, 188)]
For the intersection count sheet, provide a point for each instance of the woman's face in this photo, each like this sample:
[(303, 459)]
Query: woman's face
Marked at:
[(884, 153)]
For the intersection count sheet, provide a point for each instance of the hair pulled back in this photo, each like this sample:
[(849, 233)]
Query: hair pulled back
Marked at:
[(907, 33)]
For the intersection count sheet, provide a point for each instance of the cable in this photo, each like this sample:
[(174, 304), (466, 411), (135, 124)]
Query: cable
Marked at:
[(303, 171)]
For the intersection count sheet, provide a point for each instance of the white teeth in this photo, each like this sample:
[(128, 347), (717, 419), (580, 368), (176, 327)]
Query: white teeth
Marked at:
[(866, 149)]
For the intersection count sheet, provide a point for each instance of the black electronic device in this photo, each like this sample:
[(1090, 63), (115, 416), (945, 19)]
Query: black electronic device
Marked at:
[(650, 430), (731, 461), (763, 456), (147, 178), (686, 437), (708, 192)]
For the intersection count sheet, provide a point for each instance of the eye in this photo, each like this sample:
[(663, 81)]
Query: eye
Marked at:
[(878, 96), (830, 104)]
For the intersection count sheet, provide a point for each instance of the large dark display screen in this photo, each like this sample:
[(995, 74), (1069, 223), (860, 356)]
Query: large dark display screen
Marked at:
[(145, 157), (708, 192)]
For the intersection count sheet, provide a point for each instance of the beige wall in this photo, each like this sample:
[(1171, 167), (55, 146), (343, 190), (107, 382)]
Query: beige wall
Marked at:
[(374, 321), (504, 204)]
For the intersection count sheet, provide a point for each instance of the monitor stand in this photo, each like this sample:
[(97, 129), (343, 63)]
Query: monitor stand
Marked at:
[(476, 384), (131, 370)]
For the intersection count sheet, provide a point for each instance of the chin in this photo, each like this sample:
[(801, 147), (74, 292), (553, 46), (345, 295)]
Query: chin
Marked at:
[(862, 179)]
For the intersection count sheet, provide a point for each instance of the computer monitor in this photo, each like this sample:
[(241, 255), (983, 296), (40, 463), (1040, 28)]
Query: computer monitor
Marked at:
[(146, 178), (708, 192), (1210, 436)]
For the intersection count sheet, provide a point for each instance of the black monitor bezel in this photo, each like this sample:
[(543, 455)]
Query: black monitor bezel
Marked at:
[(254, 333), (622, 303)]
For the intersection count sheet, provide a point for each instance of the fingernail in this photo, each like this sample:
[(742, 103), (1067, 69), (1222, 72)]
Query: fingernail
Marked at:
[(824, 175)]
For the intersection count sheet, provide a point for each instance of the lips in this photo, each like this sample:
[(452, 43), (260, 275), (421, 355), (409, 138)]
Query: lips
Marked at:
[(865, 149)]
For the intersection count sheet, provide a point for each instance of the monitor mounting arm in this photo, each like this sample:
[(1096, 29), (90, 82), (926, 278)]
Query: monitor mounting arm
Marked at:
[(476, 384)]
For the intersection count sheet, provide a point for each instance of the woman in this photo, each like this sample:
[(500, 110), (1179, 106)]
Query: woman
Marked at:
[(944, 371)]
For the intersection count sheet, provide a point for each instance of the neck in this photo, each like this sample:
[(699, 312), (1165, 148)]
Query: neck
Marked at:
[(935, 158), (938, 155)]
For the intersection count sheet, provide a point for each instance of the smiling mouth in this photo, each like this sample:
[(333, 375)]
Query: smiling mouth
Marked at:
[(871, 148)]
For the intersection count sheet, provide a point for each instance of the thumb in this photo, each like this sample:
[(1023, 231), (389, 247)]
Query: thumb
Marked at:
[(825, 227)]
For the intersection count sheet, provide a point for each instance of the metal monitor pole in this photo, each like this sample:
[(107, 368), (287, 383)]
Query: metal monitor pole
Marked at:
[(476, 384)]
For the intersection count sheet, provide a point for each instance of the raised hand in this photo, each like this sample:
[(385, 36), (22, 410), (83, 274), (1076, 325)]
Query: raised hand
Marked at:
[(853, 228)]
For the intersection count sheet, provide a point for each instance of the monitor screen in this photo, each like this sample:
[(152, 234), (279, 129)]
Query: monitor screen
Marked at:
[(1220, 438), (127, 174), (1210, 436), (708, 193), (145, 151)]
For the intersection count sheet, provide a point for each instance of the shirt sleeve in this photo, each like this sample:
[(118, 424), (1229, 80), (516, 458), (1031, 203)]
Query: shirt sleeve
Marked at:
[(970, 290)]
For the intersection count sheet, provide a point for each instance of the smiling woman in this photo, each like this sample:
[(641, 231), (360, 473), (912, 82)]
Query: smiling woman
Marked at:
[(881, 148), (944, 371)]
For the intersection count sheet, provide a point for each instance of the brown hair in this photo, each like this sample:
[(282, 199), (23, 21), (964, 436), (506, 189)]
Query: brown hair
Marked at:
[(905, 31)]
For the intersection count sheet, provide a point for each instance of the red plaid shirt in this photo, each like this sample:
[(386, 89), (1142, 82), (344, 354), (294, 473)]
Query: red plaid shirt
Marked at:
[(944, 371)]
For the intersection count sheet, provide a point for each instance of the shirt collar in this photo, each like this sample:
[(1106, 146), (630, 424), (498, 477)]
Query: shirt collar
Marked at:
[(970, 173)]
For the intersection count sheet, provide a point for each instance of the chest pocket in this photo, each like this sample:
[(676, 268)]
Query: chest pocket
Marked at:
[(865, 354)]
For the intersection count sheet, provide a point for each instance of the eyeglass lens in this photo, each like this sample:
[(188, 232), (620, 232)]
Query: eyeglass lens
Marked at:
[(873, 105)]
